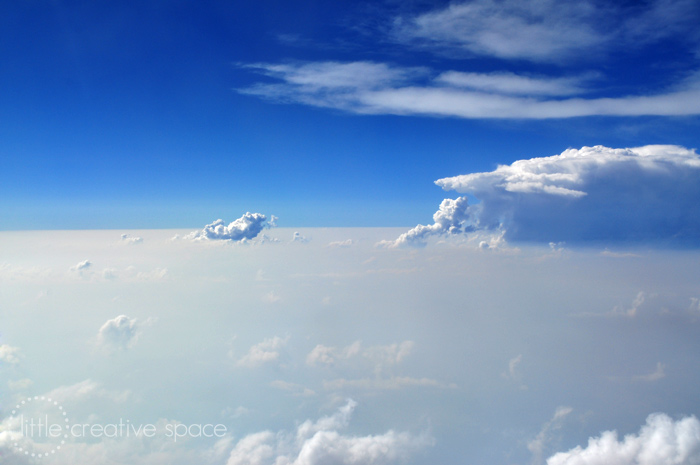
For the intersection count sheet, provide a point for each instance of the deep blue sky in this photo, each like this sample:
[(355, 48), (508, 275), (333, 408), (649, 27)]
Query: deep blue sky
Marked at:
[(152, 115)]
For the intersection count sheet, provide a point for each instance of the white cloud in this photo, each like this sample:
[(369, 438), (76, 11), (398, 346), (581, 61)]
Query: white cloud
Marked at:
[(513, 84), (655, 375), (320, 443), (404, 91), (534, 30), (271, 298), (513, 374), (129, 239), (646, 193), (630, 312), (263, 352), (661, 441), (545, 30), (380, 360), (380, 357), (244, 228), (341, 244), (79, 392), (84, 265), (453, 217), (9, 354), (119, 333), (298, 237)]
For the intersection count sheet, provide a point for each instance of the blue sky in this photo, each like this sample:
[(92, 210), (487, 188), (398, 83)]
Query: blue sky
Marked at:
[(382, 232), (171, 114)]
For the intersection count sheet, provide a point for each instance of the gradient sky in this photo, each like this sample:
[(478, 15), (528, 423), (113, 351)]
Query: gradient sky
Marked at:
[(174, 113), (448, 233)]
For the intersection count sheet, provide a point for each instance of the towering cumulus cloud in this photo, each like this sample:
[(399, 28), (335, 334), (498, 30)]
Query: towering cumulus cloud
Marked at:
[(643, 194), (452, 218), (246, 227)]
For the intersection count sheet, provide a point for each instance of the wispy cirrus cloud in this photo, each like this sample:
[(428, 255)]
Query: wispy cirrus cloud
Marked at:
[(544, 30), (380, 88), (538, 31)]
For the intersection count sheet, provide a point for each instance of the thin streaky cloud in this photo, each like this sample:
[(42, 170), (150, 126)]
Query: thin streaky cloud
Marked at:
[(380, 88)]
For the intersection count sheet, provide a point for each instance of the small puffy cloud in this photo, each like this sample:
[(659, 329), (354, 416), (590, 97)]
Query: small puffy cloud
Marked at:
[(453, 217), (9, 354), (129, 239), (326, 355), (297, 237), (264, 352), (592, 194), (119, 333), (631, 311), (661, 441), (320, 443), (244, 228), (84, 265)]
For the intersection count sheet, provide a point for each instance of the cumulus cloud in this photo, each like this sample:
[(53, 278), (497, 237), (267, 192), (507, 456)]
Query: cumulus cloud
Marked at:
[(298, 237), (84, 265), (263, 352), (642, 194), (320, 443), (129, 239), (453, 217), (661, 441), (244, 228), (9, 354), (119, 333)]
